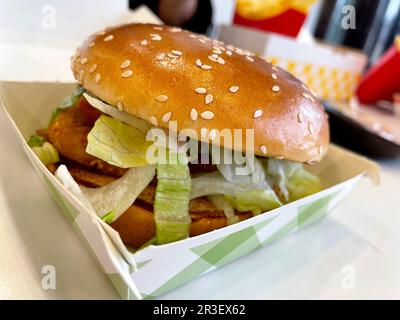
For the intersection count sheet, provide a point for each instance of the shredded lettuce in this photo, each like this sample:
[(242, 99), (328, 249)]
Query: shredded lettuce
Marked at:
[(118, 196), (35, 141), (71, 100), (256, 201), (47, 153), (293, 180), (255, 178), (240, 196), (171, 206), (222, 203), (214, 183), (117, 143), (67, 102), (108, 217)]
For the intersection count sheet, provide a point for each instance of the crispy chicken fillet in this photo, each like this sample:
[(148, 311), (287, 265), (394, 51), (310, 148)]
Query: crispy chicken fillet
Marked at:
[(137, 226), (68, 134)]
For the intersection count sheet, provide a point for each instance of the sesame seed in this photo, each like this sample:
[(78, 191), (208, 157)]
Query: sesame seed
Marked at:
[(274, 76), (84, 60), (162, 98), (158, 28), (126, 74), (101, 33), (206, 67), (276, 89), (156, 38), (212, 134), (263, 149), (275, 68), (120, 106), (144, 42), (221, 61), (154, 35), (91, 44), (207, 115), (175, 29), (153, 121), (209, 98), (308, 96), (166, 116), (258, 113), (310, 128), (92, 68), (217, 51), (192, 36), (176, 52), (321, 149), (125, 64), (199, 63), (300, 117), (200, 90), (160, 56), (234, 89), (279, 157), (250, 58), (108, 38), (202, 41), (193, 114), (172, 56), (97, 77), (228, 52), (213, 58)]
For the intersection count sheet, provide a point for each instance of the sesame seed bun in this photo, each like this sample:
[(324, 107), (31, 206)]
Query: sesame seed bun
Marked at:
[(161, 73)]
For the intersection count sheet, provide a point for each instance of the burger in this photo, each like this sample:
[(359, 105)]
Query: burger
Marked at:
[(171, 134)]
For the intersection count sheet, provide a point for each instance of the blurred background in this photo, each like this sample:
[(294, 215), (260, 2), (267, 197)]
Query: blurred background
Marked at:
[(346, 51)]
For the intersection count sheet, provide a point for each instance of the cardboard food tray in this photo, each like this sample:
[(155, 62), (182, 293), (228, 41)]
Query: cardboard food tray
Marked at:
[(155, 270)]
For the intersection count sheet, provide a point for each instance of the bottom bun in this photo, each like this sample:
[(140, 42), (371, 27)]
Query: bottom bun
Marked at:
[(137, 226)]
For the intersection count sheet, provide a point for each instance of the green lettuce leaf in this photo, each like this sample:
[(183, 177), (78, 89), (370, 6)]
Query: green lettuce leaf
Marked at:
[(256, 201), (35, 141), (242, 197), (117, 143), (71, 100), (293, 180), (67, 102), (119, 195), (171, 206), (221, 203), (47, 153), (109, 217)]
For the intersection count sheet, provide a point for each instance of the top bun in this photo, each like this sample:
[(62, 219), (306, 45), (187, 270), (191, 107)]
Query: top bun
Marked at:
[(162, 73)]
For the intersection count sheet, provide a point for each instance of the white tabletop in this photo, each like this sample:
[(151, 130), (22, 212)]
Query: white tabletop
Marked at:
[(353, 253)]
